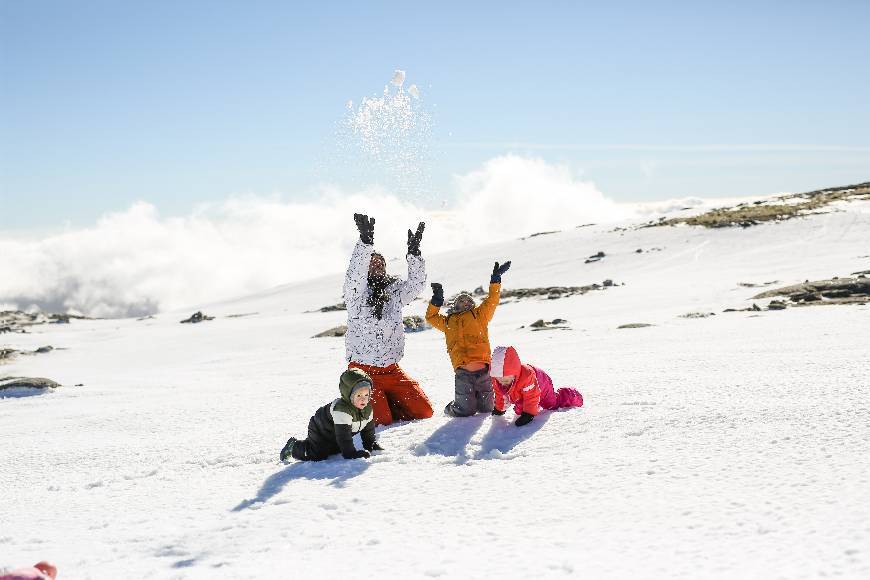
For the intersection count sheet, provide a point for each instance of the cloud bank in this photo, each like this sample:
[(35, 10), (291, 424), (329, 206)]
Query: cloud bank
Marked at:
[(137, 262)]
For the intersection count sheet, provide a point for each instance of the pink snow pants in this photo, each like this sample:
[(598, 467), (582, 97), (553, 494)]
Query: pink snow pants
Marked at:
[(553, 398)]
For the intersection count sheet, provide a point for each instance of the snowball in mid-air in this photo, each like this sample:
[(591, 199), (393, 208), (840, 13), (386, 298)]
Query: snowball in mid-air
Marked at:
[(398, 78)]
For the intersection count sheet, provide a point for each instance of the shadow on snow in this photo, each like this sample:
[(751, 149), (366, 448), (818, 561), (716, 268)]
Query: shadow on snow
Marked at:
[(338, 469), (503, 435), (21, 392), (451, 438)]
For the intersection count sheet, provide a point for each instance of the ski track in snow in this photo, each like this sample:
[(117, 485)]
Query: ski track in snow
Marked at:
[(726, 447)]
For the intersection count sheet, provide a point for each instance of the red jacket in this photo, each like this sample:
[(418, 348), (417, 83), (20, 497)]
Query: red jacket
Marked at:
[(523, 391)]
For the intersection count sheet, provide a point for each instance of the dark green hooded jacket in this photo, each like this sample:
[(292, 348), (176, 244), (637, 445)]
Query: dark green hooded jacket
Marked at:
[(333, 426)]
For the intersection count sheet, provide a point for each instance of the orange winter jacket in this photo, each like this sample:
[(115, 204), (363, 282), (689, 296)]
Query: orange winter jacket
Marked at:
[(467, 333)]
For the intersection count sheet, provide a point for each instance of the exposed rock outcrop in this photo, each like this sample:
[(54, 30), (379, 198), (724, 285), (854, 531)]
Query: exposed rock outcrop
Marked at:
[(334, 332), (197, 317), (698, 315), (415, 324), (822, 292), (536, 234), (333, 308), (595, 257), (555, 324), (8, 354), (776, 209), (553, 292), (27, 382), (18, 321)]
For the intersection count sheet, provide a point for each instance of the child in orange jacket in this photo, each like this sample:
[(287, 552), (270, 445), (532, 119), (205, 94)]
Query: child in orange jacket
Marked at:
[(527, 387), (466, 331)]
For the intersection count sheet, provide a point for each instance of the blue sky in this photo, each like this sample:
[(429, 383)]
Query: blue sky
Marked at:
[(178, 103)]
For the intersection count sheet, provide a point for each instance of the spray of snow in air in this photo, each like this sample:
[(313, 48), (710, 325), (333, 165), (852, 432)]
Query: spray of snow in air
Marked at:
[(388, 137)]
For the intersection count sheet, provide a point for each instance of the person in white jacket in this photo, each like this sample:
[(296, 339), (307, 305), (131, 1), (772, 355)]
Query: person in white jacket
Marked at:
[(375, 339)]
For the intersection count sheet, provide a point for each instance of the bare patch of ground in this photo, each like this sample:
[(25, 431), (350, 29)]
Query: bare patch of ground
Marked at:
[(776, 209), (823, 292)]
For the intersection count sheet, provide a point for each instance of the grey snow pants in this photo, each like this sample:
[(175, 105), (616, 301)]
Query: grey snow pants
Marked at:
[(473, 393)]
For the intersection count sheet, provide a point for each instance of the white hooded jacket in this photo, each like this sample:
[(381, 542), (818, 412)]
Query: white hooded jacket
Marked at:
[(369, 340)]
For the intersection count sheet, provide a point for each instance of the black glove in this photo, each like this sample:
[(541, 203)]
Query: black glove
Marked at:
[(497, 271), (497, 412), (524, 419), (374, 447), (358, 454), (437, 295), (366, 227), (414, 240)]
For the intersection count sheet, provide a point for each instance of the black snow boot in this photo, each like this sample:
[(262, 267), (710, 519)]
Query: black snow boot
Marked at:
[(288, 448)]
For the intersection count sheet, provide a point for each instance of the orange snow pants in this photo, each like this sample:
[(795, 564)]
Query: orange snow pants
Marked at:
[(395, 396)]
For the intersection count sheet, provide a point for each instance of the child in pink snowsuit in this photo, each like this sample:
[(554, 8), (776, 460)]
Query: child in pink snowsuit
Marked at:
[(528, 388), (39, 571)]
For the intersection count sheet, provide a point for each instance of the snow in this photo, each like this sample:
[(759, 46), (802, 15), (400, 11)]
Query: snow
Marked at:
[(725, 447), (390, 133), (398, 78)]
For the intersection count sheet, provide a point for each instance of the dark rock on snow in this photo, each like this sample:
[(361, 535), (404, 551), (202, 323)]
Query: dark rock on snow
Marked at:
[(7, 354), (551, 292), (535, 235), (698, 315), (834, 291), (334, 332), (415, 324), (33, 383), (555, 324), (594, 257), (197, 317)]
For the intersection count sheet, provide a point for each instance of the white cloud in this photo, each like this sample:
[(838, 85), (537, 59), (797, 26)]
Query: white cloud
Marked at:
[(137, 262), (520, 196)]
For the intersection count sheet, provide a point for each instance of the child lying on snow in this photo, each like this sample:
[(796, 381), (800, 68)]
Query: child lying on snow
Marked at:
[(466, 331), (527, 387), (333, 425)]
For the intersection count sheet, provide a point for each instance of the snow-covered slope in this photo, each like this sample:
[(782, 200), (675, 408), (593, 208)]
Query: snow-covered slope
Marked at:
[(731, 446)]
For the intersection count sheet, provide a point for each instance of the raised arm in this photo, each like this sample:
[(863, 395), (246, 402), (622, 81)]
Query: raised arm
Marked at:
[(413, 285), (433, 314), (487, 308), (358, 269)]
